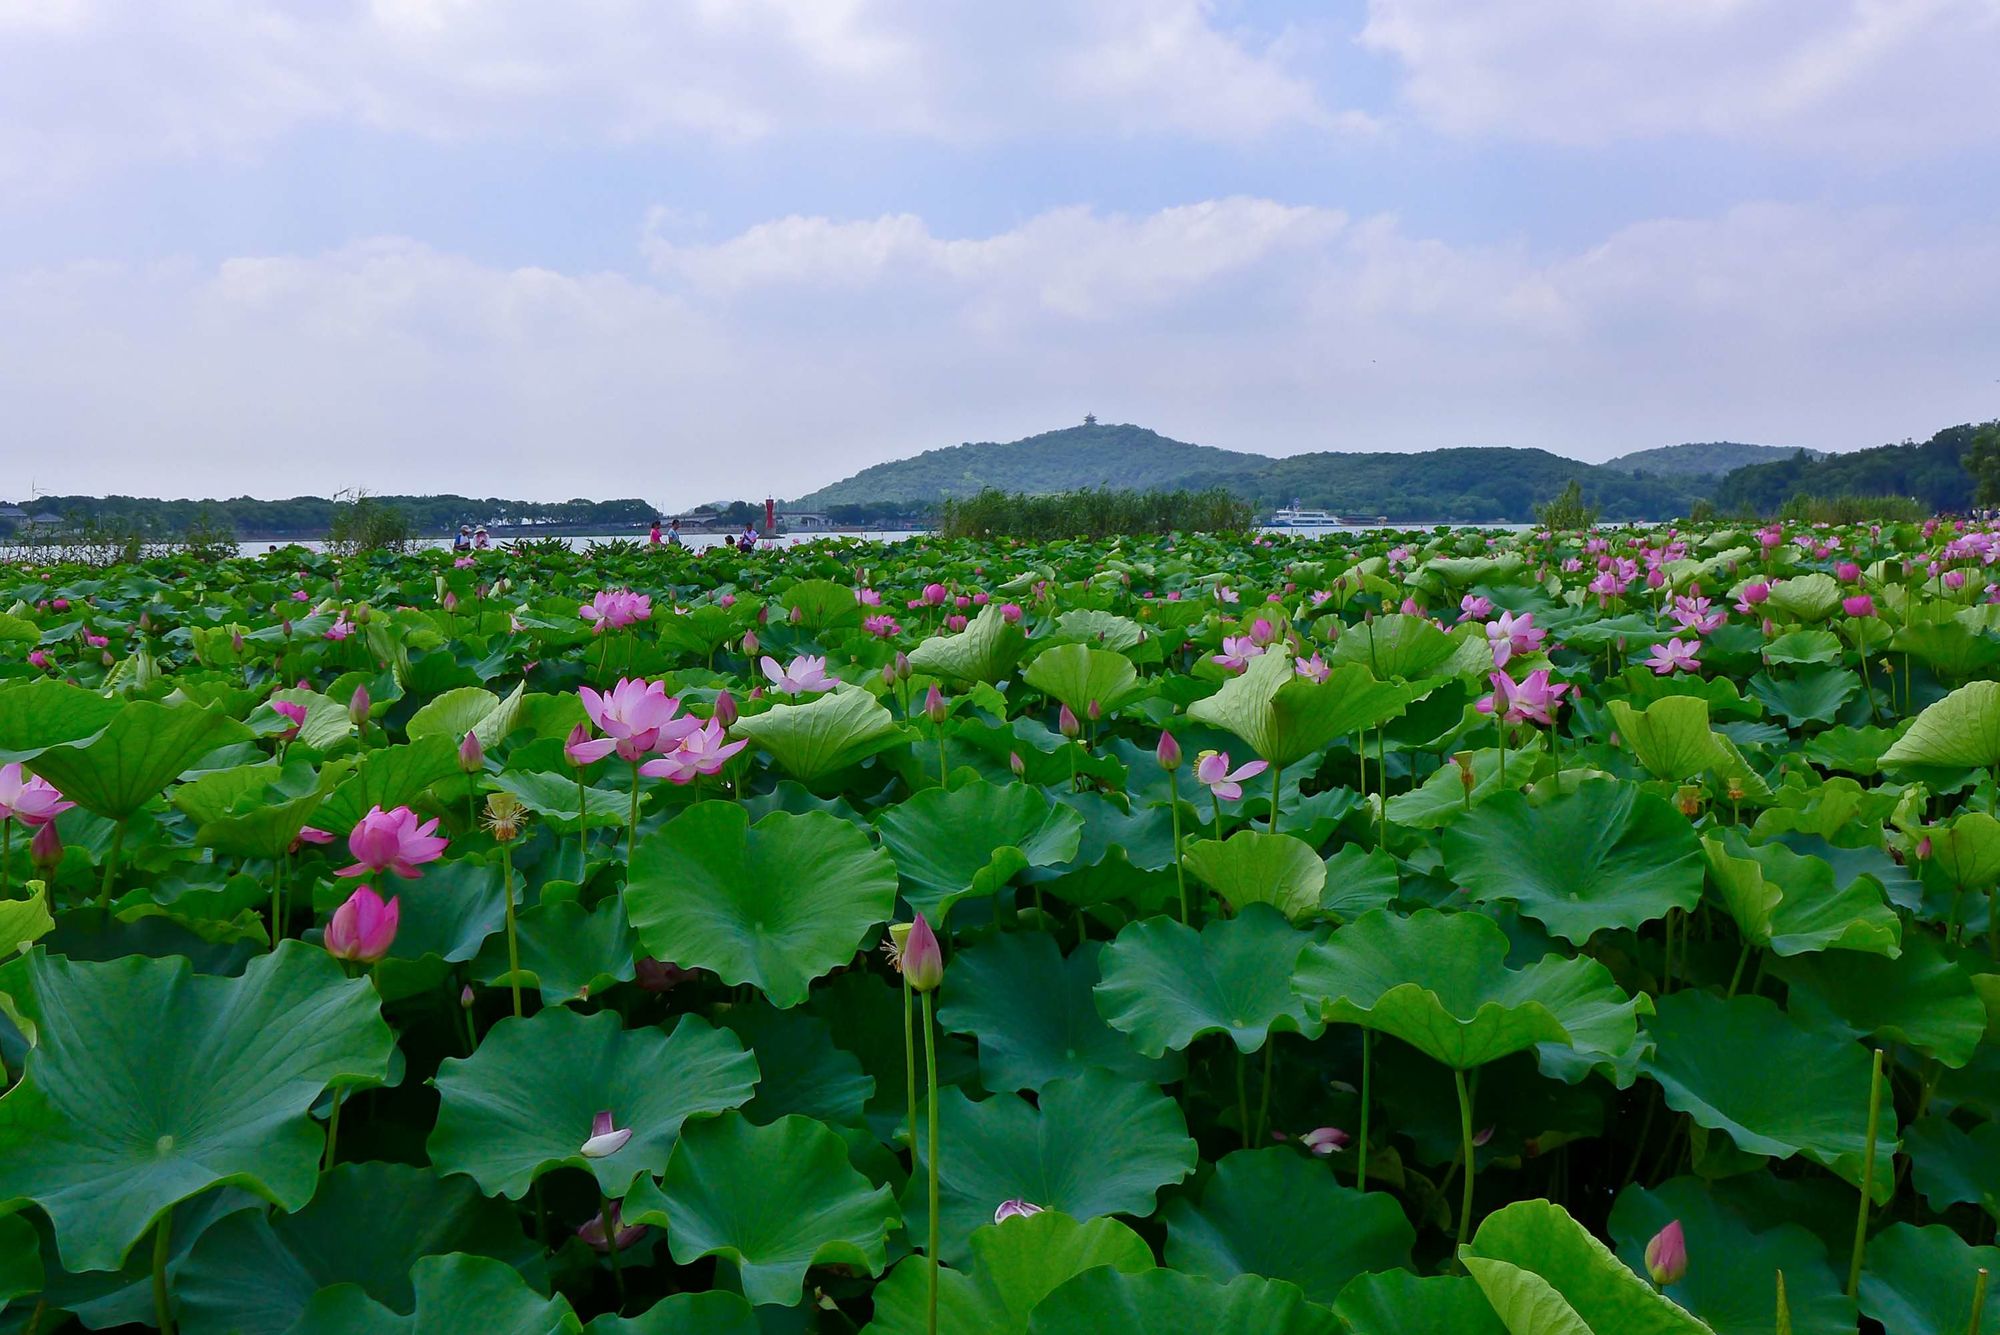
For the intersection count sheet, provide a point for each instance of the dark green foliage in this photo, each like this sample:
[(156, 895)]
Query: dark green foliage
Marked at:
[(1709, 459), (1092, 514), (1567, 512), (1932, 474)]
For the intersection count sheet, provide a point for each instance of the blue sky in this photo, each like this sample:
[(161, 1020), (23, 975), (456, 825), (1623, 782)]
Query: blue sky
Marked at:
[(707, 248)]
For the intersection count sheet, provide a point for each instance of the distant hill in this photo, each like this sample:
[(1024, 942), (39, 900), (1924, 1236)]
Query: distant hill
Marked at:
[(1931, 473), (1456, 484), (1707, 459)]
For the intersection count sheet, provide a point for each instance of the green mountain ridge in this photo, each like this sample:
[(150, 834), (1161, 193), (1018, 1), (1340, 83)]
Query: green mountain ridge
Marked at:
[(1705, 459)]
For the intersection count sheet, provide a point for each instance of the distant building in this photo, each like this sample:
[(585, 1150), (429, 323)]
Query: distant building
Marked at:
[(1090, 419), (802, 519)]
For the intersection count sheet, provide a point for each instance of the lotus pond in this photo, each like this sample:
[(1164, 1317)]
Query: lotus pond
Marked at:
[(1434, 932)]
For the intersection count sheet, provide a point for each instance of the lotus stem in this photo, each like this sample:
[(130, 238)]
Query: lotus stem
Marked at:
[(332, 1134), (1783, 1325), (1466, 1147), (910, 1059), (163, 1311), (1978, 1302), (582, 831), (1276, 772), (611, 1245), (1742, 958), (1361, 1141), (1180, 875), (1867, 1175), (111, 865), (632, 821), (1242, 1097), (1264, 1097), (513, 940), (6, 857), (931, 1114)]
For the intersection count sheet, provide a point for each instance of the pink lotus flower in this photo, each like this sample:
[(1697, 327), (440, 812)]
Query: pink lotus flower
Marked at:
[(1472, 607), (1324, 1140), (1510, 635), (954, 623), (1314, 669), (1533, 699), (637, 717), (1237, 651), (309, 834), (1674, 656), (1015, 1209), (29, 798), (1262, 632), (868, 597), (702, 751), (340, 629), (301, 596), (591, 1231), (293, 711), (804, 675), (1667, 1255), (363, 928), (95, 641), (614, 609), (45, 849), (934, 594), (884, 626), (580, 750), (1212, 769), (465, 563), (1847, 572), (38, 658), (1752, 594), (1010, 613), (606, 1137), (1860, 605), (392, 841), (1698, 614)]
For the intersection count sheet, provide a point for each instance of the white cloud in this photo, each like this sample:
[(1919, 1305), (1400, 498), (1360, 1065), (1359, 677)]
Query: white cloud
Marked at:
[(1881, 76), (796, 352), (88, 85)]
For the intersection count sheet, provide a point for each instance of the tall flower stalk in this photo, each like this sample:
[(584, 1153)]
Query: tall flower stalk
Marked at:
[(505, 815), (922, 964)]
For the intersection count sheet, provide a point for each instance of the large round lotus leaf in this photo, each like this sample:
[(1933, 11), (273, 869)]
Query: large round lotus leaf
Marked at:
[(775, 904), (1092, 1145), (1398, 645), (986, 650), (1358, 880), (1732, 1274), (144, 749), (24, 921), (1919, 1281), (472, 709), (1603, 857), (1960, 731), (523, 1102), (556, 799), (254, 1274), (772, 1199), (1440, 982), (449, 912), (1285, 717), (1714, 1059), (1789, 903), (1671, 737), (251, 811), (1951, 1166), (1252, 867), (1542, 1271), (1812, 696), (389, 777), (1032, 1012), (149, 1084), (1107, 1299), (957, 843), (1080, 677), (454, 1295), (566, 950), (1015, 1264), (1167, 985), (825, 735), (1967, 850), (47, 712), (712, 1312), (1396, 1302), (802, 1071), (1280, 1214), (1921, 997), (21, 1260)]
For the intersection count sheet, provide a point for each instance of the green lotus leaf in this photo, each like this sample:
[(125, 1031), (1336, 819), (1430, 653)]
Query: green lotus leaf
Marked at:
[(453, 1295), (989, 648), (1810, 597), (1949, 648), (802, 1071), (389, 777), (1788, 903), (1921, 997), (1851, 750), (1713, 1060), (567, 952), (1285, 717), (24, 921), (149, 1084), (1014, 1265), (1671, 737), (1099, 629), (1962, 730), (47, 712), (712, 1312), (472, 709), (968, 841), (251, 811), (326, 723), (1440, 982), (775, 904), (1733, 1264), (21, 1259), (1542, 1272), (255, 1274), (1167, 985), (1093, 1145), (825, 735), (705, 628), (555, 797), (1919, 1281), (772, 1199), (1396, 1302), (821, 604), (1081, 676), (1603, 857), (1809, 697), (1358, 880), (1442, 799), (522, 1103), (145, 748), (1398, 646), (1951, 1166), (1280, 1214), (450, 912), (1811, 647), (1107, 1299), (1967, 850), (1252, 867), (1033, 1015)]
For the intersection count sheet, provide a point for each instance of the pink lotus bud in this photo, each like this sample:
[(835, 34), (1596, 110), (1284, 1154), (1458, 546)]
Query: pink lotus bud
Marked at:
[(1667, 1255), (450, 601), (1860, 605), (286, 625), (236, 641), (1923, 848), (358, 706), (921, 959), (751, 644), (1168, 751), (954, 623), (1954, 579), (934, 594), (961, 601), (1018, 765), (591, 1231), (934, 709), (1093, 711), (902, 666), (1325, 1140), (465, 997), (145, 621), (38, 658), (1015, 1209), (725, 709), (797, 615), (363, 928), (606, 1138), (45, 850), (888, 675), (471, 755), (1066, 722), (60, 604), (1010, 612), (657, 975)]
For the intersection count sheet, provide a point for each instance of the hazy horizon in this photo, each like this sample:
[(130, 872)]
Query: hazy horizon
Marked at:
[(687, 252)]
